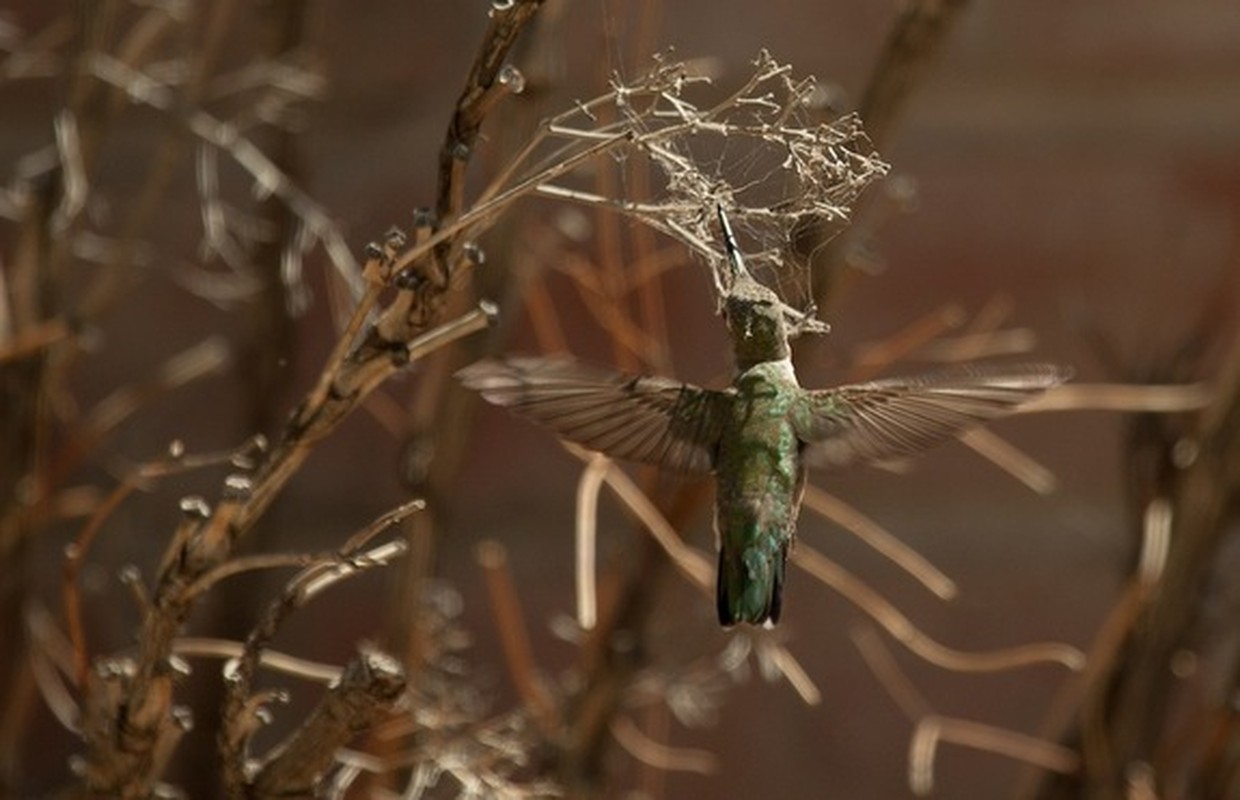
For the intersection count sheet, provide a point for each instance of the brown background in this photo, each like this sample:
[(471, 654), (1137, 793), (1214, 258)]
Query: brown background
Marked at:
[(1082, 158)]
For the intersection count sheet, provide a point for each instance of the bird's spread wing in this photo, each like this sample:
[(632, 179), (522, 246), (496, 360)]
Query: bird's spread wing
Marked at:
[(897, 417), (648, 419)]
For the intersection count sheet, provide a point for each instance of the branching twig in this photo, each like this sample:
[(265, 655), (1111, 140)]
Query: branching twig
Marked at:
[(903, 630), (878, 538), (371, 685), (238, 723), (931, 728)]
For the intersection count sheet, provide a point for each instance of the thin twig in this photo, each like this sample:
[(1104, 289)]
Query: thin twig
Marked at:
[(877, 537), (1124, 397), (370, 686), (691, 562), (998, 451), (660, 756), (881, 662), (283, 663), (588, 487), (71, 593), (903, 630), (510, 624), (933, 728)]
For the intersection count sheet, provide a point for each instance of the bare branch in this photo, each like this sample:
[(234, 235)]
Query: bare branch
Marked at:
[(877, 537), (369, 688), (510, 623), (660, 756), (903, 630), (932, 729)]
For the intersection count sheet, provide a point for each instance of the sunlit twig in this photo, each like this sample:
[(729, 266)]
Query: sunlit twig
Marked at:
[(1134, 398), (1010, 459), (660, 756), (592, 478), (930, 728), (933, 728), (691, 562), (881, 540), (903, 630), (283, 663)]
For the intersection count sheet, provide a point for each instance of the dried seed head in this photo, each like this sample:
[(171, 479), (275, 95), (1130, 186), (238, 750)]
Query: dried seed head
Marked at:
[(473, 254), (511, 77), (237, 487), (183, 717), (394, 239), (179, 666), (194, 506)]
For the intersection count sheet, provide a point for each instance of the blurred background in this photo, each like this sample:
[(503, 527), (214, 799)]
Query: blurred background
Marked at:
[(1064, 185)]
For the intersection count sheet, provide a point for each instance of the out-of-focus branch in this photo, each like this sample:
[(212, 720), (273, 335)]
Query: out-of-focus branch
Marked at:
[(934, 728), (28, 288), (912, 43), (903, 630), (931, 728), (660, 756), (205, 359), (1124, 397), (482, 89), (240, 707), (1134, 711), (510, 624), (276, 257), (881, 540), (615, 652), (115, 763), (438, 418)]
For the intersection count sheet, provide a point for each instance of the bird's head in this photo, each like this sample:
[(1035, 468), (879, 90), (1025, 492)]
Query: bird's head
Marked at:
[(755, 319)]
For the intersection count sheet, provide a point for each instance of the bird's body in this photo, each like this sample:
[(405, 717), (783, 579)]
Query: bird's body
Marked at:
[(760, 478), (759, 436)]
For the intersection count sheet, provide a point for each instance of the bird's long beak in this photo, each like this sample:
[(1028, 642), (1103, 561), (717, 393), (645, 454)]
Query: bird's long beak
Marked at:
[(736, 262)]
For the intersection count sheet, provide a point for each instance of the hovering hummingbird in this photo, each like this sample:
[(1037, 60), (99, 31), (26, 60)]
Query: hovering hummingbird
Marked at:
[(760, 435)]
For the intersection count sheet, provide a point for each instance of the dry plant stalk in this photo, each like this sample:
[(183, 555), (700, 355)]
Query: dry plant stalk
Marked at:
[(931, 728), (130, 722), (790, 174), (788, 171), (1155, 715), (369, 686)]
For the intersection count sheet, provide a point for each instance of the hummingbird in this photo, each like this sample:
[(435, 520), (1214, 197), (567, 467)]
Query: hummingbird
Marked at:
[(761, 435)]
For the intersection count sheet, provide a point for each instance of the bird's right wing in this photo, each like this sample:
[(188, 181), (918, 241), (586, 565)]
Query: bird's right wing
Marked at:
[(652, 420)]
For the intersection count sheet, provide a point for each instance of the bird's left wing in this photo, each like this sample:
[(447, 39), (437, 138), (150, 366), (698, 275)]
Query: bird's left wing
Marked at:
[(896, 417), (652, 420)]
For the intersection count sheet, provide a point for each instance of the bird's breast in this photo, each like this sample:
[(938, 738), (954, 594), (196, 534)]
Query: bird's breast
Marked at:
[(759, 474)]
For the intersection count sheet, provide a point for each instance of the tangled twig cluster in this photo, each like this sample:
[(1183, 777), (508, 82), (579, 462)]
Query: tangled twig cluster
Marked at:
[(755, 151)]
